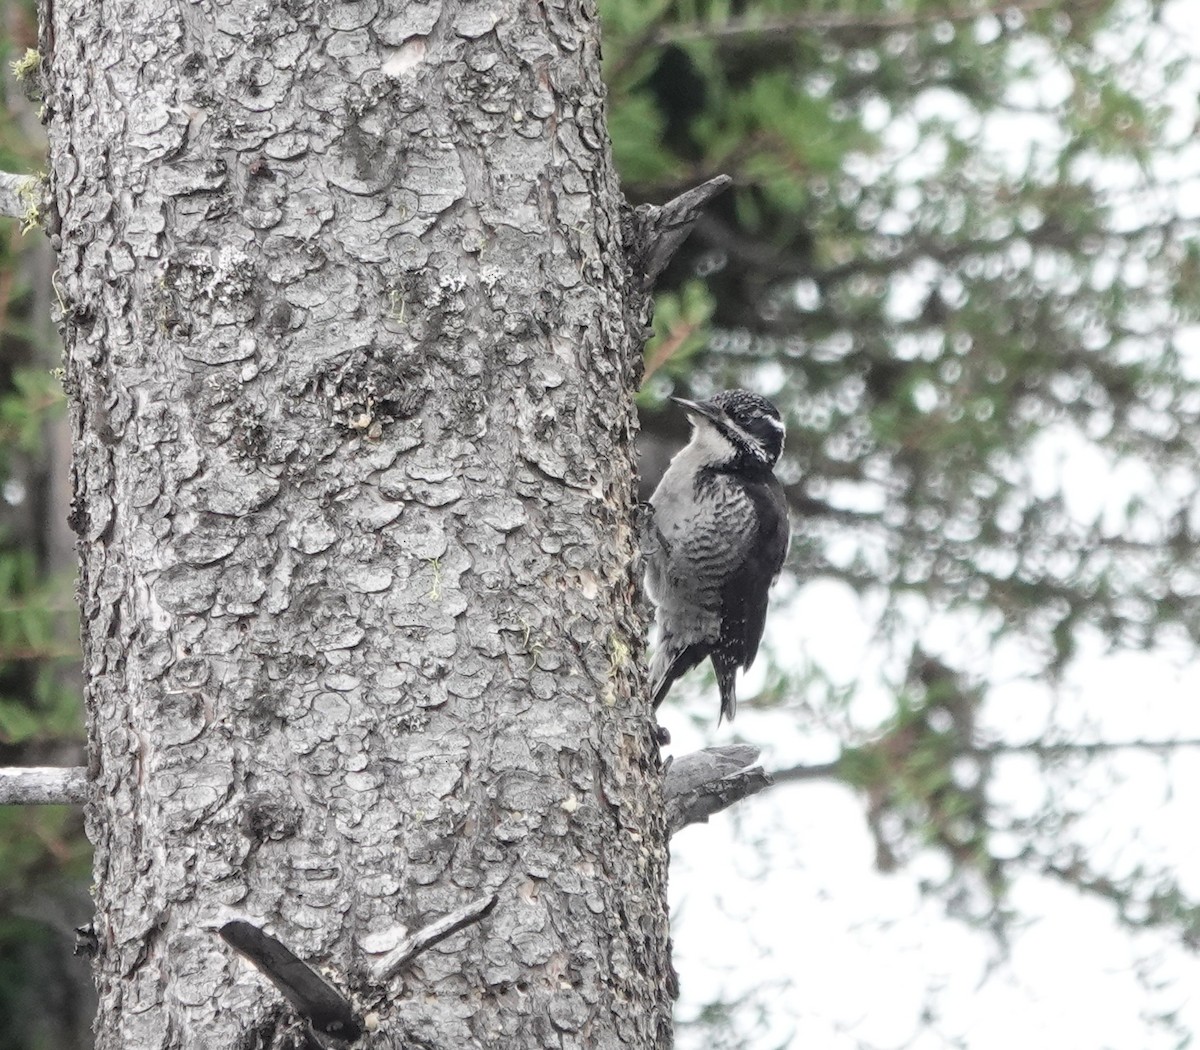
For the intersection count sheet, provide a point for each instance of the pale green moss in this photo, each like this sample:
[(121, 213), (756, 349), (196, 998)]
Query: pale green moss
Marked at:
[(26, 67), (31, 194)]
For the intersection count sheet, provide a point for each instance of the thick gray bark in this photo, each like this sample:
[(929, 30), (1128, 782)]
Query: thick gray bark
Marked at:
[(345, 310)]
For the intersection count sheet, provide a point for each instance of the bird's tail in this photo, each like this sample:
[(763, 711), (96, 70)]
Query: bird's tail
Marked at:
[(727, 683)]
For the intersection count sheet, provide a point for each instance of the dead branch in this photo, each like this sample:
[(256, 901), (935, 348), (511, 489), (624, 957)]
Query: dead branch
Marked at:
[(705, 782), (43, 786)]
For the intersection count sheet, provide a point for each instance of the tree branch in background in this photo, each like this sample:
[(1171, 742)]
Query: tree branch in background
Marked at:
[(1089, 749), (837, 20), (668, 348), (1037, 748), (794, 774)]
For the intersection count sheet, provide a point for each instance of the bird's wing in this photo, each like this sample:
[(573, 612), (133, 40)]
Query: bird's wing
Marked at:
[(762, 556)]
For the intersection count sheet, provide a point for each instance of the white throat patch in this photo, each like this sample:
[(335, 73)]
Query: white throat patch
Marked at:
[(708, 447)]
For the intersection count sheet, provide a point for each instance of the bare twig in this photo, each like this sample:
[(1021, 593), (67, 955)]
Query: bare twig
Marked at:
[(705, 782), (794, 774), (43, 786), (390, 964)]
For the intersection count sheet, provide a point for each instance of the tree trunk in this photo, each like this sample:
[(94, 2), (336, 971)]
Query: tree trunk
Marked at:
[(345, 308)]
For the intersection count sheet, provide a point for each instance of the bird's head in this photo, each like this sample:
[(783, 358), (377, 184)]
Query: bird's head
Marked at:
[(741, 427)]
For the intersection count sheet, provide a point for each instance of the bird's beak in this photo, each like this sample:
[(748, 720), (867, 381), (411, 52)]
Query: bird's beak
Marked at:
[(704, 409)]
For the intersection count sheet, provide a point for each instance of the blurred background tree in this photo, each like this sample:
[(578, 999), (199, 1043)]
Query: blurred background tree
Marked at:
[(960, 254), (45, 994)]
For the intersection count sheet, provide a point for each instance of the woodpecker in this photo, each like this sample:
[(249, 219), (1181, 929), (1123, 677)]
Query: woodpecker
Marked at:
[(719, 534)]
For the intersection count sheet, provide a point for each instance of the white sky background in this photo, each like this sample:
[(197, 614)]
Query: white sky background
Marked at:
[(779, 901)]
